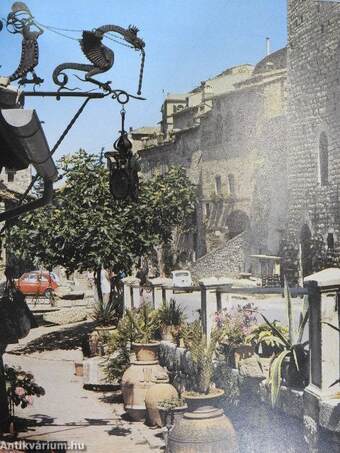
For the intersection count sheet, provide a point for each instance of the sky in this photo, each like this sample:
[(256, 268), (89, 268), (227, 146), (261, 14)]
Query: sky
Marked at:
[(187, 41)]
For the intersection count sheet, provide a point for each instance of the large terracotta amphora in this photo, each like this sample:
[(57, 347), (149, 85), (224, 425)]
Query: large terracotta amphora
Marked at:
[(205, 428), (160, 390), (136, 381)]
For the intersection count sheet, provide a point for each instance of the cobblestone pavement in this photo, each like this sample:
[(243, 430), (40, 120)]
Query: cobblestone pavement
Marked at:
[(68, 412)]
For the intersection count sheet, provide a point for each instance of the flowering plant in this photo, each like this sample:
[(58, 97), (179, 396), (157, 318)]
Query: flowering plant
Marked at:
[(21, 387), (236, 324)]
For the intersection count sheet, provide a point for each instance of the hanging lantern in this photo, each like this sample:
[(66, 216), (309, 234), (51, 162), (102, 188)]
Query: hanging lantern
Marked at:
[(123, 167)]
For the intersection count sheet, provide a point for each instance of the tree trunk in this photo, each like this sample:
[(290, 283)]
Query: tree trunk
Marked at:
[(99, 284), (160, 260), (4, 413)]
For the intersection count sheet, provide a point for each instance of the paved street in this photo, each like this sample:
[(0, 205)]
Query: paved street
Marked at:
[(68, 412)]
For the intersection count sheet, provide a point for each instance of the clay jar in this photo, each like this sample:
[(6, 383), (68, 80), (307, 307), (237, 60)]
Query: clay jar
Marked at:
[(146, 351), (160, 390), (204, 428), (136, 381)]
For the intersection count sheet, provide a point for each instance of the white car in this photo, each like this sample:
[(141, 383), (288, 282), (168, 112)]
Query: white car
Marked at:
[(181, 279)]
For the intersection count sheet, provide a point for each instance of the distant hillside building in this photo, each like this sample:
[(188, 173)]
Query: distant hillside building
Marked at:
[(230, 136)]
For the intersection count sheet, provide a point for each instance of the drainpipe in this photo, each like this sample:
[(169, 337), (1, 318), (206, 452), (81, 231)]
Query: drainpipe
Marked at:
[(23, 209)]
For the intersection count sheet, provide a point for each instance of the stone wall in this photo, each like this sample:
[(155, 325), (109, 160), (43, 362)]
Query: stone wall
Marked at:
[(236, 153), (313, 119), (229, 260)]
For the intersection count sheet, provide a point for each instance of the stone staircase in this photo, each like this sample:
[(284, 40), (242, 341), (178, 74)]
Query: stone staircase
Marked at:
[(225, 261)]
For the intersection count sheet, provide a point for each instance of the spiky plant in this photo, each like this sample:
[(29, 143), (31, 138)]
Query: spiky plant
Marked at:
[(293, 346), (202, 354), (171, 313), (144, 322)]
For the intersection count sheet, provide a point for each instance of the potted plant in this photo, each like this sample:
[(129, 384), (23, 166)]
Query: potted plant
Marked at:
[(171, 410), (264, 341), (145, 324), (171, 317), (21, 389), (106, 314), (234, 326), (202, 353), (204, 427), (291, 364)]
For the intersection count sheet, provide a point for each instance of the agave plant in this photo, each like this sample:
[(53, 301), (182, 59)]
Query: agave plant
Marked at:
[(105, 313), (144, 322), (294, 348)]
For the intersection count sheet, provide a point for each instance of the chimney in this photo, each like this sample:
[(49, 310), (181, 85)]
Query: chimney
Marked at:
[(268, 50)]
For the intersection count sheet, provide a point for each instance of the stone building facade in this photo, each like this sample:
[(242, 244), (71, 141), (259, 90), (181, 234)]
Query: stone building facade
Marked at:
[(231, 138), (313, 116)]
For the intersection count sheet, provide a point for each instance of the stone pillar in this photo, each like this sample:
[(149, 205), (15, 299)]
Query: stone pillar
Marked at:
[(209, 306), (131, 300), (319, 402), (157, 296)]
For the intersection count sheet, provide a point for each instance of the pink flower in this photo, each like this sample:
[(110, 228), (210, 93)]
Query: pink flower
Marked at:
[(19, 391), (29, 400)]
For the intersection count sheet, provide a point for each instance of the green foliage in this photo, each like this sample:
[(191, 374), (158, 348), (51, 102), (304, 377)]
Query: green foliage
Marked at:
[(171, 404), (119, 350), (21, 387), (202, 354), (263, 334), (144, 323), (106, 313), (293, 348), (171, 314), (235, 324), (87, 229)]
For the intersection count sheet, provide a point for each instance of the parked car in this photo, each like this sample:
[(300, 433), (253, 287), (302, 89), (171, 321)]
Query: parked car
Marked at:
[(37, 283), (181, 279)]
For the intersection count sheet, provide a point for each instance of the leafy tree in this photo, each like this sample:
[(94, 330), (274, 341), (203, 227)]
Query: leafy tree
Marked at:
[(86, 229)]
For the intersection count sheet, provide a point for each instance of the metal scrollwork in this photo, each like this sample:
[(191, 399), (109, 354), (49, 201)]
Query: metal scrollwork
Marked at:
[(20, 20), (100, 56)]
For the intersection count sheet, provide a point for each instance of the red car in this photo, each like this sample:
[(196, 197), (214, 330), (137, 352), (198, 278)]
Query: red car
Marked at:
[(37, 283)]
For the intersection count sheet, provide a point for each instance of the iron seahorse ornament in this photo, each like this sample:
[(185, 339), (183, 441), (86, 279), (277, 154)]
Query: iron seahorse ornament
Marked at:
[(20, 20), (101, 57)]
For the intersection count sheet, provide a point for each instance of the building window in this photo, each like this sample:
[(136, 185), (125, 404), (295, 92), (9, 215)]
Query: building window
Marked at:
[(218, 185), (207, 210), (231, 182), (10, 175), (323, 159)]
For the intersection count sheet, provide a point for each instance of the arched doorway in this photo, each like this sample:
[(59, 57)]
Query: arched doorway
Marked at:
[(237, 222), (306, 253)]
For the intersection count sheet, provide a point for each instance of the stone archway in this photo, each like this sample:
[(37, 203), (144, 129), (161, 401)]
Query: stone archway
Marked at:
[(306, 255), (237, 222)]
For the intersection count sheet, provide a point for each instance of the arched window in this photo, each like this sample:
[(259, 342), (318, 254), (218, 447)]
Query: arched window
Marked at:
[(231, 181), (323, 159)]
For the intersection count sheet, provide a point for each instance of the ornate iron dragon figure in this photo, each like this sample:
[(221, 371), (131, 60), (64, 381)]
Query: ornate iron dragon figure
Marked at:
[(101, 57), (30, 49)]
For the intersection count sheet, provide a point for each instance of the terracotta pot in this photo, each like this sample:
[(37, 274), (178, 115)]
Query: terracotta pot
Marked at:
[(159, 391), (195, 402), (146, 351), (169, 417), (136, 381), (205, 430)]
